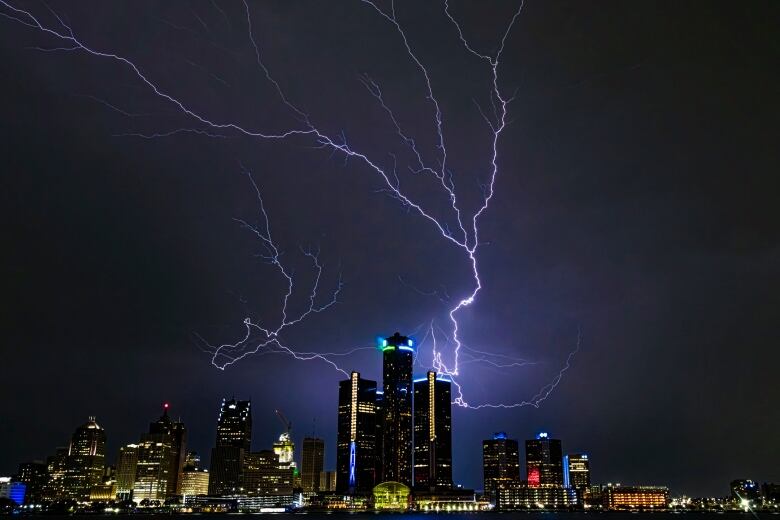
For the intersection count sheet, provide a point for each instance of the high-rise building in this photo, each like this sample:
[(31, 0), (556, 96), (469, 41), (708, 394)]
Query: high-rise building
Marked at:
[(159, 461), (194, 482), (56, 466), (265, 474), (234, 435), (175, 434), (397, 361), (500, 462), (576, 472), (356, 454), (86, 460), (153, 471), (328, 481), (544, 461), (432, 433), (380, 437), (312, 459), (33, 475), (126, 464)]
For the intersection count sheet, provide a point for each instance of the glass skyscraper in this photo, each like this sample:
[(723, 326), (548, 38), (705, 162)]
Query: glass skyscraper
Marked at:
[(234, 436), (544, 461), (356, 446), (432, 433), (397, 361), (500, 462)]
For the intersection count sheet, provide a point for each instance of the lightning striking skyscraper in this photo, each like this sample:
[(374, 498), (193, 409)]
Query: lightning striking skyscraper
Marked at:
[(464, 237)]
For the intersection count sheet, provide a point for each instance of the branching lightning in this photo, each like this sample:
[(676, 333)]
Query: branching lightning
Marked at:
[(465, 238)]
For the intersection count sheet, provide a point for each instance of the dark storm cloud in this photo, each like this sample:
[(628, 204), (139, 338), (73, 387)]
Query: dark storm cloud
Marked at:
[(636, 199)]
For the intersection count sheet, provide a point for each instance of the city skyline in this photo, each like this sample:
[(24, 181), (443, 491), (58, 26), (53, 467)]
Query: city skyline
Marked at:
[(593, 239), (542, 464)]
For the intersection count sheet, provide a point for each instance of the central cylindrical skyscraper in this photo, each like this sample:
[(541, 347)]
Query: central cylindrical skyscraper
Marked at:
[(398, 358)]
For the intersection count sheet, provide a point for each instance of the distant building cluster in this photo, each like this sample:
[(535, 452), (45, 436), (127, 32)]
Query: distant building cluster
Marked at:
[(393, 452)]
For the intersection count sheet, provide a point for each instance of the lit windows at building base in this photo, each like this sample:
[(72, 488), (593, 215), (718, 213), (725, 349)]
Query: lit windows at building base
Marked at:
[(512, 495), (635, 497)]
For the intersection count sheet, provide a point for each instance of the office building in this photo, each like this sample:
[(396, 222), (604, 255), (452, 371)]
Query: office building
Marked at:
[(159, 461), (432, 433), (33, 475), (397, 435), (328, 481), (126, 464), (174, 434), (152, 473), (55, 471), (312, 459), (356, 454), (576, 472), (194, 482), (234, 435), (500, 462), (265, 474), (544, 461), (86, 460)]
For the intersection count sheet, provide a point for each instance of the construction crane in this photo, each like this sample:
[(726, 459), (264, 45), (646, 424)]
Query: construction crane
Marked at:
[(287, 424)]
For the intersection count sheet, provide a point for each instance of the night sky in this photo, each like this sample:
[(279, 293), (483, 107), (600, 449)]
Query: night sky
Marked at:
[(637, 201)]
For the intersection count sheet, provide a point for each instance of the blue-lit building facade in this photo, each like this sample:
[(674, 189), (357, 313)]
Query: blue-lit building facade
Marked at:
[(356, 444)]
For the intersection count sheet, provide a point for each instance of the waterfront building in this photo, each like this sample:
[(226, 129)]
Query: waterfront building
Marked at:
[(312, 461), (516, 495), (12, 490), (391, 496), (745, 492), (432, 433), (194, 482), (104, 492), (544, 461), (356, 454), (397, 434), (234, 435), (85, 461), (635, 497), (500, 462)]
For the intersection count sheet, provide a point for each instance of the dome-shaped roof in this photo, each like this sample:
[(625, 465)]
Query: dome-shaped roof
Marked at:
[(91, 424)]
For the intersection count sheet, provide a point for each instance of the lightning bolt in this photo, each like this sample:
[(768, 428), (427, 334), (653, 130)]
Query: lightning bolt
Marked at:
[(270, 337), (465, 238)]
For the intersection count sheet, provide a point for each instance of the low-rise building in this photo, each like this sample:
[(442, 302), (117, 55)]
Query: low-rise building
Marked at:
[(635, 497)]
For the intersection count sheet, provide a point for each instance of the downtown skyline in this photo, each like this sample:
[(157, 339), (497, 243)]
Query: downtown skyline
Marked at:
[(633, 222)]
